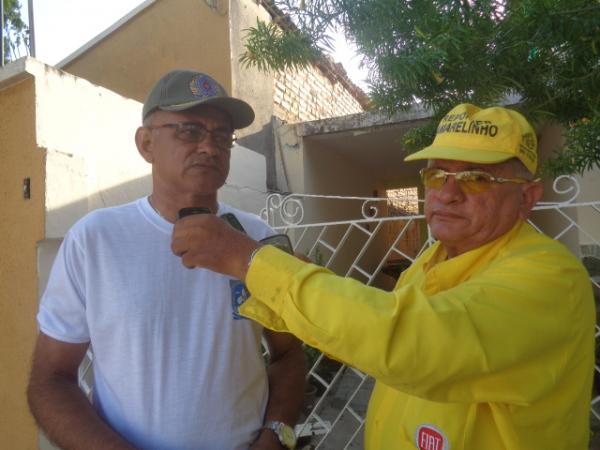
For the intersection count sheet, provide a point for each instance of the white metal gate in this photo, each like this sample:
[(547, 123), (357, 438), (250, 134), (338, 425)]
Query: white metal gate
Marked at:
[(359, 237)]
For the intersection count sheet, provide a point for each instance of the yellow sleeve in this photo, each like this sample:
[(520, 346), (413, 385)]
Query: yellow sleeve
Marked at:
[(495, 338)]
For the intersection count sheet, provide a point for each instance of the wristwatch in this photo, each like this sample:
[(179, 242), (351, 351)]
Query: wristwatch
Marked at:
[(284, 433)]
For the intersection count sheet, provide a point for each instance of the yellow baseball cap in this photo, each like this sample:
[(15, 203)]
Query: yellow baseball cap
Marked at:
[(483, 136)]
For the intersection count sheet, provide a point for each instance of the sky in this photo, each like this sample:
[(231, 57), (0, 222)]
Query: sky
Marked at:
[(62, 26)]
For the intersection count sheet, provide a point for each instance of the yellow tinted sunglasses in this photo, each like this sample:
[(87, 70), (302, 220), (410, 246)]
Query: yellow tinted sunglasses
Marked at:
[(469, 181)]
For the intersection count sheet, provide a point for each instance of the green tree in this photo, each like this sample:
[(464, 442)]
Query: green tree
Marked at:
[(444, 52), (16, 32)]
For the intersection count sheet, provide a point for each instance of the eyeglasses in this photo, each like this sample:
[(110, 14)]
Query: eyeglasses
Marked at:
[(196, 133), (469, 181)]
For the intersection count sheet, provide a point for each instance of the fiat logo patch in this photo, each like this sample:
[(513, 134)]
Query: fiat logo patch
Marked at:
[(429, 437)]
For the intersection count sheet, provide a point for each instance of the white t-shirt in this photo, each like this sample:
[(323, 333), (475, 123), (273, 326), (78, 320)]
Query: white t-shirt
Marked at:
[(175, 366)]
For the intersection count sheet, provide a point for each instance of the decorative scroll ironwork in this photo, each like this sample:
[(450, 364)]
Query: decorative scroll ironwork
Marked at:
[(566, 188), (287, 210)]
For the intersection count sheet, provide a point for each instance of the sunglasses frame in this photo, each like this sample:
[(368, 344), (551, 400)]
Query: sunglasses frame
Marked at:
[(462, 182)]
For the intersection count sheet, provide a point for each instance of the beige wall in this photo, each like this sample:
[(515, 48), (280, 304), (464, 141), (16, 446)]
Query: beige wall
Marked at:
[(68, 137), (329, 172), (21, 227), (589, 217), (168, 34), (549, 221), (250, 84), (289, 159)]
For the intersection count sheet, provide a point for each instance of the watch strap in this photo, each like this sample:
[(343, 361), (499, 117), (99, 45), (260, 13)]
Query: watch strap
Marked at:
[(284, 432)]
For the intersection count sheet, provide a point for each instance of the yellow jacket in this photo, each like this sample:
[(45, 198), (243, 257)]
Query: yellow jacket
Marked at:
[(492, 349)]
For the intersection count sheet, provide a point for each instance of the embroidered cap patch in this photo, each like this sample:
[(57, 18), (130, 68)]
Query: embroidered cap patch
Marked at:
[(429, 437), (203, 86)]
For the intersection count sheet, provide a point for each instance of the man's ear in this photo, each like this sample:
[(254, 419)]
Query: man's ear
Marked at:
[(143, 141), (531, 194)]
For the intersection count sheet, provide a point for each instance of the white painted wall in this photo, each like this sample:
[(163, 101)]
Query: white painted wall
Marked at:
[(587, 216), (87, 132), (246, 185), (289, 159), (249, 83)]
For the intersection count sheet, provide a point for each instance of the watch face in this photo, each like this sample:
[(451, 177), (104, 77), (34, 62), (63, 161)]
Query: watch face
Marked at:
[(287, 436)]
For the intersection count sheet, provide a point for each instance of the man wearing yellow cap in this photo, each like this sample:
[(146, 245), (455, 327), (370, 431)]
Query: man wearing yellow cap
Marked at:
[(487, 340)]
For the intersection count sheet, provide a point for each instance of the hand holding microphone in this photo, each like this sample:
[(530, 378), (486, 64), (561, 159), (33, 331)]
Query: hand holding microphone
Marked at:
[(204, 240)]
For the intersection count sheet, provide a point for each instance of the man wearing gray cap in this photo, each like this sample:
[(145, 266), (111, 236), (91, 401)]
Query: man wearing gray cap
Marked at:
[(487, 340), (175, 365)]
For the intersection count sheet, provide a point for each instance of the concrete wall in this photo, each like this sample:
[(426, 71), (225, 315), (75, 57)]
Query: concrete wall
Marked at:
[(92, 162), (588, 217), (327, 172), (21, 227), (551, 222), (289, 159), (245, 187), (165, 35), (314, 168), (252, 85)]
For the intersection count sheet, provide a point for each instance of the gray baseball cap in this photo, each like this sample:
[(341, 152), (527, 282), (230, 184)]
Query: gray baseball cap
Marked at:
[(184, 89)]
